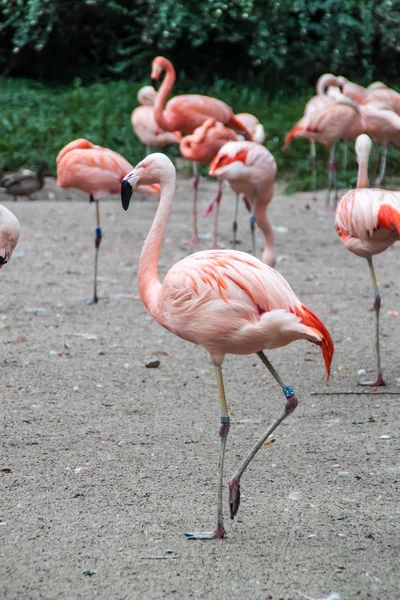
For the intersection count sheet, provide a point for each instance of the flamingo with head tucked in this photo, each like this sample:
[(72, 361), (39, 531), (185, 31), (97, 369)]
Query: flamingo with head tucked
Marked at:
[(227, 301), (201, 147), (250, 169), (368, 222), (97, 171)]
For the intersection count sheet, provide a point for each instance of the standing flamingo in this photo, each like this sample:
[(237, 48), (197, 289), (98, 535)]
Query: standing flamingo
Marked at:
[(380, 97), (201, 147), (368, 222), (226, 301), (341, 120), (383, 126), (325, 97), (9, 234), (144, 123), (97, 171), (186, 113), (250, 169)]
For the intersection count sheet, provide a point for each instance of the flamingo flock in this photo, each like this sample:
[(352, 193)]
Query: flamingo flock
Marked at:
[(227, 301)]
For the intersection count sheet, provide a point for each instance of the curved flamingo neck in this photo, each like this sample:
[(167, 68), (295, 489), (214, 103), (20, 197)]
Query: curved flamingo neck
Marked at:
[(149, 283), (163, 94), (362, 176)]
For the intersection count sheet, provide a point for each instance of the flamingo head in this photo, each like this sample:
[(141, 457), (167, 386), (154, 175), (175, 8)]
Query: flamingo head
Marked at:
[(154, 169), (158, 66), (363, 148)]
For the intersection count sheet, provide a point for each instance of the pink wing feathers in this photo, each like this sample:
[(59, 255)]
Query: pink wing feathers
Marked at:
[(211, 290)]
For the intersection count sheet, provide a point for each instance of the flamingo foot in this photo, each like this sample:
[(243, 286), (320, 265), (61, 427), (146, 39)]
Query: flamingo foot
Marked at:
[(194, 240), (377, 383), (94, 300), (234, 496), (218, 534)]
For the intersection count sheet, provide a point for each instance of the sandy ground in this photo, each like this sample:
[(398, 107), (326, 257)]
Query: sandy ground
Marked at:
[(105, 463)]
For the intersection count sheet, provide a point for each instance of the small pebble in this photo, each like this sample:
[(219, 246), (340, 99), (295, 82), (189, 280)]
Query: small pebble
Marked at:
[(385, 437), (153, 364)]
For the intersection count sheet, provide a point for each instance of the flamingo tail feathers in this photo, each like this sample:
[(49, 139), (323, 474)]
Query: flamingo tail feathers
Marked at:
[(389, 217), (311, 320)]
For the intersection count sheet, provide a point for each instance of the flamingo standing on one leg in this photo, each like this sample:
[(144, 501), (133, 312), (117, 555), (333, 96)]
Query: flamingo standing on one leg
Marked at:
[(9, 234), (250, 169), (186, 113), (226, 301), (201, 147), (144, 123), (368, 222), (341, 120), (97, 171)]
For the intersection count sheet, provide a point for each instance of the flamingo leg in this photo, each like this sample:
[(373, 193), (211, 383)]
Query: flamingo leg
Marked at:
[(291, 403), (345, 152), (331, 174), (313, 161), (379, 179), (235, 221), (377, 306), (196, 179), (217, 201), (253, 224), (219, 531), (97, 241)]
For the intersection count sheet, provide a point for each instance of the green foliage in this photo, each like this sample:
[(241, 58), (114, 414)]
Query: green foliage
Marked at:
[(37, 120), (263, 42)]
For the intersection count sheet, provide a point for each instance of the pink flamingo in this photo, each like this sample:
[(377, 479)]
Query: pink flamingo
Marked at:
[(9, 234), (325, 97), (201, 147), (144, 123), (368, 222), (383, 126), (186, 113), (341, 120), (97, 171), (226, 301), (254, 126), (250, 169), (381, 97)]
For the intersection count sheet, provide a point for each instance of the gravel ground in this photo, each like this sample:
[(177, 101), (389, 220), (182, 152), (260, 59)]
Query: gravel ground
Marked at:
[(105, 463)]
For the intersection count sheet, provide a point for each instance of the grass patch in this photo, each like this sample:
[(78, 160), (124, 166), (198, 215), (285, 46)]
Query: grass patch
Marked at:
[(37, 120)]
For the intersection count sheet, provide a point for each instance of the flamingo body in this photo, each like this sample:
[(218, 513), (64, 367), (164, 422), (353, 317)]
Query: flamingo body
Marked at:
[(230, 302), (205, 141), (341, 120)]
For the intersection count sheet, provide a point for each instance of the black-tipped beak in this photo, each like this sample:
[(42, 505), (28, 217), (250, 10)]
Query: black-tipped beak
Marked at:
[(126, 194)]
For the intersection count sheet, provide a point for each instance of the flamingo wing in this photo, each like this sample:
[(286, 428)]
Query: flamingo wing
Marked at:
[(229, 301)]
